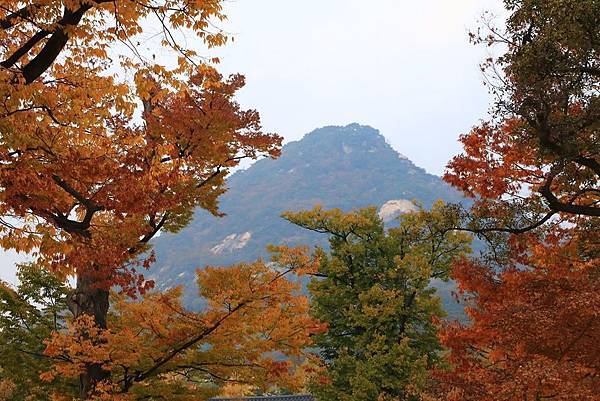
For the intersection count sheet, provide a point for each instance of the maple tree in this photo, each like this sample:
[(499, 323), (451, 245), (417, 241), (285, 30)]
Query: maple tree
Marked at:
[(254, 325), (538, 158), (534, 173), (372, 290), (85, 183), (64, 38), (534, 331), (89, 204)]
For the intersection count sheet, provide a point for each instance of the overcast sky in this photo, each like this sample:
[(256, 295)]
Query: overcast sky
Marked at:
[(403, 67)]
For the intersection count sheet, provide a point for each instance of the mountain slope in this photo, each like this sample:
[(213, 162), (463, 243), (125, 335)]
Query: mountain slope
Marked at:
[(345, 167)]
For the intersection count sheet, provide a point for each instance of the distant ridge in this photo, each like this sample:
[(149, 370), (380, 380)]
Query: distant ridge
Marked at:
[(336, 166)]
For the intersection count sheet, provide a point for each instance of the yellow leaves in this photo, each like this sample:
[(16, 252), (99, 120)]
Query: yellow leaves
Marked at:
[(254, 315), (252, 285), (232, 390), (296, 259)]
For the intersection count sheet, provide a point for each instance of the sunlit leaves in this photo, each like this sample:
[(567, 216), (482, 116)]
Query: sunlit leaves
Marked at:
[(255, 317)]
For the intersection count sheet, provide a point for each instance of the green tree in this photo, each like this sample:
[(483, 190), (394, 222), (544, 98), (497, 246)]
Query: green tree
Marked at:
[(373, 291), (28, 314)]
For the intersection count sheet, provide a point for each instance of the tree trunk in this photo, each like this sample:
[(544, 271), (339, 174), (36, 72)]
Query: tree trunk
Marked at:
[(90, 300)]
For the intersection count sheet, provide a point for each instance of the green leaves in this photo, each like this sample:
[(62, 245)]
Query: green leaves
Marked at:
[(28, 314), (375, 297)]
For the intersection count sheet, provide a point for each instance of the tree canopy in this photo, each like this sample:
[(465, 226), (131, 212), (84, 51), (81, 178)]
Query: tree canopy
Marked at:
[(533, 171), (538, 156), (373, 291), (253, 333), (95, 163)]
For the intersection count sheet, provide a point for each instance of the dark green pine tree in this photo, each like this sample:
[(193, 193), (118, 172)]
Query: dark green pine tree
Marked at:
[(374, 293)]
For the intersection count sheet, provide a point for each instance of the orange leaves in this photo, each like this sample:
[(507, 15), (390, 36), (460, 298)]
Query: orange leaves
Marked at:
[(102, 191), (85, 184), (534, 328), (495, 162), (254, 316), (257, 288), (534, 311), (74, 160), (84, 344), (298, 260), (7, 388)]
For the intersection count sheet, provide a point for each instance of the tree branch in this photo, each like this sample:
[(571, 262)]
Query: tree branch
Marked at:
[(193, 341), (13, 19), (557, 206)]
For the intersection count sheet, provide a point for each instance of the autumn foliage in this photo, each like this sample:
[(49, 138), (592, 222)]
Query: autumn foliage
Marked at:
[(95, 164), (534, 331), (79, 170), (533, 172), (254, 325), (81, 175), (105, 144), (88, 203), (538, 156), (251, 336)]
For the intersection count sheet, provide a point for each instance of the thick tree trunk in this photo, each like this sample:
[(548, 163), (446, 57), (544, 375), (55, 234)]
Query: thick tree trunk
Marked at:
[(90, 300)]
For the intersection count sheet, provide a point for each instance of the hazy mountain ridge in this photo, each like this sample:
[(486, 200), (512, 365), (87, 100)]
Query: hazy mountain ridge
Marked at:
[(346, 167)]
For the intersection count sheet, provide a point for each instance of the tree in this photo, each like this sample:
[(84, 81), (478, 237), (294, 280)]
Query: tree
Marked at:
[(65, 38), (28, 315), (89, 204), (373, 292), (539, 157), (534, 173), (85, 184), (255, 323), (534, 328)]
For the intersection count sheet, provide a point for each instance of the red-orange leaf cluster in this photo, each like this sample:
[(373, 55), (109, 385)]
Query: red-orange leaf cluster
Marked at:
[(533, 172), (534, 329)]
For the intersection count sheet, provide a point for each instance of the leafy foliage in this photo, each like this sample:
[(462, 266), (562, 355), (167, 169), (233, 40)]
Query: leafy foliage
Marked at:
[(125, 183), (85, 183), (534, 308), (28, 315), (535, 330), (539, 157), (254, 328), (374, 294)]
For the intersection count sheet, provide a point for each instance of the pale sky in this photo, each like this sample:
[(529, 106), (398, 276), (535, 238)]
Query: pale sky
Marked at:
[(403, 67)]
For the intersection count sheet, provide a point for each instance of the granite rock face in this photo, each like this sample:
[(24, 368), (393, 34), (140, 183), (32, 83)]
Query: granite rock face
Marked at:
[(391, 209)]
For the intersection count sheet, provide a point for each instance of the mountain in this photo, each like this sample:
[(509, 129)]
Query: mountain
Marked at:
[(345, 167)]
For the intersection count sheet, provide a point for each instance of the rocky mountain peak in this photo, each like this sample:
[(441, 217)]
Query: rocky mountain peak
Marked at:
[(347, 167)]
